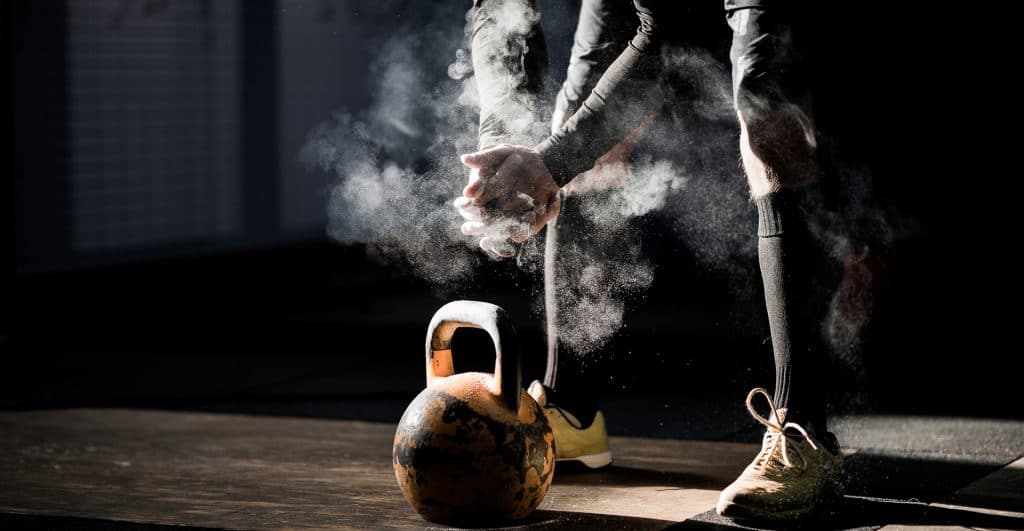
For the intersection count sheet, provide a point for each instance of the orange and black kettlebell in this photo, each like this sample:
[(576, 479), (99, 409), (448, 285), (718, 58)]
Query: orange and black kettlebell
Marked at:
[(473, 447)]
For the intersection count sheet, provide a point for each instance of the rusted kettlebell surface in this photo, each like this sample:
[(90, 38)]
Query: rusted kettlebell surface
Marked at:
[(473, 448)]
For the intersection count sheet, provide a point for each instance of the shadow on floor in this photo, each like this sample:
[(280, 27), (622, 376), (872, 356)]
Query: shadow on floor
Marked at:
[(856, 512), (1004, 493), (911, 478), (543, 519)]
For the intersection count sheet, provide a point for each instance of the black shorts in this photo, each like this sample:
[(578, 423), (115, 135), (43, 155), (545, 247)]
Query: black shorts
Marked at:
[(767, 60)]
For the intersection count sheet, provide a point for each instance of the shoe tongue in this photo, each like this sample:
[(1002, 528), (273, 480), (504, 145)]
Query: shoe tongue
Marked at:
[(538, 393), (788, 432), (793, 434), (829, 441)]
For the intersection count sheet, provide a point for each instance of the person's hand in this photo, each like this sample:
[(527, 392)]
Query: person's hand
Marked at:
[(511, 195)]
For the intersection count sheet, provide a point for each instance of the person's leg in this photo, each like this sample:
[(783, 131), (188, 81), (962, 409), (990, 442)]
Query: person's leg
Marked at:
[(792, 260), (566, 372), (799, 464), (777, 147), (591, 271)]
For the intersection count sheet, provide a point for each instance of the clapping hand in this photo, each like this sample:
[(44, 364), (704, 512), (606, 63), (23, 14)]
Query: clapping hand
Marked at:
[(511, 195)]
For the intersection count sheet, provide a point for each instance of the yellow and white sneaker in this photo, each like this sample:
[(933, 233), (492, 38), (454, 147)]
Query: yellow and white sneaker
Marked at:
[(573, 442), (792, 475)]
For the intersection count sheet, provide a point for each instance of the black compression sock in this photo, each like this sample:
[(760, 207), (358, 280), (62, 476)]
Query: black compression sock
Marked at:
[(790, 259), (580, 403), (572, 389)]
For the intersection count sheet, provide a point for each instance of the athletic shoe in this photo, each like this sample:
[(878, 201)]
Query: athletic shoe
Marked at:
[(573, 441), (792, 475)]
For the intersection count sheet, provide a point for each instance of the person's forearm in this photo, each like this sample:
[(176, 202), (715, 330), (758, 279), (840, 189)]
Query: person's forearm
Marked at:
[(629, 91), (509, 63), (602, 32)]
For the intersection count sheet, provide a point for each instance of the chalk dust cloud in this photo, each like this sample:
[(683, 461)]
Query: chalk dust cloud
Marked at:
[(395, 172)]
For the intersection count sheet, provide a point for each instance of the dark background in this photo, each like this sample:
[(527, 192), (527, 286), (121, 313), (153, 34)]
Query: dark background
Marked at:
[(167, 249)]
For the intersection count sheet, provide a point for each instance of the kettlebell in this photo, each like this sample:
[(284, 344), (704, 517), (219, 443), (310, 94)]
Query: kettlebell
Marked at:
[(473, 448)]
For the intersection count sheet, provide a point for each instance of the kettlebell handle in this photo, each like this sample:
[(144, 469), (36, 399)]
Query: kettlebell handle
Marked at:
[(490, 318)]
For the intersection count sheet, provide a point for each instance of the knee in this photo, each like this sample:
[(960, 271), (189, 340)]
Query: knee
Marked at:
[(778, 139), (772, 120)]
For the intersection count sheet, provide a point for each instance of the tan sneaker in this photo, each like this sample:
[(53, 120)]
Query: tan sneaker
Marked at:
[(791, 476), (573, 442)]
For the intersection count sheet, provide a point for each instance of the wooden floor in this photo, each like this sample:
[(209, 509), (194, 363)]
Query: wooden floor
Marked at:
[(247, 472)]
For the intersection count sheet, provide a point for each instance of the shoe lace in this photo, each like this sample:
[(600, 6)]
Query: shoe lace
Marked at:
[(777, 437)]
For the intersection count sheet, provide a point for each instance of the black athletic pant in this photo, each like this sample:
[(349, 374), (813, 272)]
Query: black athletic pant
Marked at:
[(585, 293)]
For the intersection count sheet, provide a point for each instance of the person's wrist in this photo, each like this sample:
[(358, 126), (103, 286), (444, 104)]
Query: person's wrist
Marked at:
[(564, 109), (549, 155)]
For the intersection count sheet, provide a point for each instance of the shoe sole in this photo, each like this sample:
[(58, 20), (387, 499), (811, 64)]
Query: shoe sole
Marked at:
[(738, 511), (593, 460), (744, 512)]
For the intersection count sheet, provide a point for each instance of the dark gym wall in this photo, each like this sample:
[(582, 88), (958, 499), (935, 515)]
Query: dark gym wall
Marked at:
[(154, 128)]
